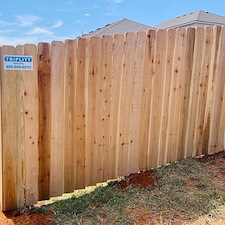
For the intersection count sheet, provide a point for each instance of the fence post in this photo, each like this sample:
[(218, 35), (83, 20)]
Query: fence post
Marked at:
[(1, 161)]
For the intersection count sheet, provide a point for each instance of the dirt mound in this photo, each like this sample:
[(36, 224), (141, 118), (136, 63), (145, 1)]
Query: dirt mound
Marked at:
[(29, 218), (142, 179)]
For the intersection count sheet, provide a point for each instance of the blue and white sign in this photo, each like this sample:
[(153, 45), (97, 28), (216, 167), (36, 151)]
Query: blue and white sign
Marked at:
[(18, 62)]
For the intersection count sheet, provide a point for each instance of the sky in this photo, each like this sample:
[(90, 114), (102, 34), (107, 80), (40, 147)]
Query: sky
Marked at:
[(33, 21)]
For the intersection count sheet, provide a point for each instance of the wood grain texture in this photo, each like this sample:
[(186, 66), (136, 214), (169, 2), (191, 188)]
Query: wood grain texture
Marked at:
[(221, 133), (10, 121), (157, 97), (218, 99), (44, 140), (186, 70), (185, 104), (57, 118), (149, 71), (176, 94), (31, 134), (136, 107), (117, 76), (170, 35), (1, 131), (20, 170), (196, 72), (98, 88), (106, 79), (202, 90), (94, 152), (95, 109), (87, 154), (69, 116), (211, 91), (80, 124), (24, 126), (126, 104)]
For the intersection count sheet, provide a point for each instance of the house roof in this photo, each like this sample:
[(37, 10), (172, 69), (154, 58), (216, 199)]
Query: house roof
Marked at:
[(191, 18), (119, 27)]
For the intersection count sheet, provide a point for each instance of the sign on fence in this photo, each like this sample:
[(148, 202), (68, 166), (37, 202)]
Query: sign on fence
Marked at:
[(18, 62)]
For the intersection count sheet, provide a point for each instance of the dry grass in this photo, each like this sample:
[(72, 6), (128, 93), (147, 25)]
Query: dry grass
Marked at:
[(186, 193)]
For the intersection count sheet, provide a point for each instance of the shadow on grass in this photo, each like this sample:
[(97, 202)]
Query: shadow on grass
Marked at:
[(183, 191)]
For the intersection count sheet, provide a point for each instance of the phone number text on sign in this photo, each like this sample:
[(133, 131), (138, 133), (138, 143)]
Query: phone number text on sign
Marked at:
[(18, 62)]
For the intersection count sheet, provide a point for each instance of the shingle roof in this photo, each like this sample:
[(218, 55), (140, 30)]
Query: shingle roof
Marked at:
[(191, 18), (119, 27)]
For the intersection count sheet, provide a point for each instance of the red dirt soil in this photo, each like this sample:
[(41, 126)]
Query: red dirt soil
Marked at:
[(31, 218), (142, 179)]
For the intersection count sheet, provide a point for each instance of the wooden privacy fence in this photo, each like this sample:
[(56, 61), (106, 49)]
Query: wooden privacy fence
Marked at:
[(95, 109)]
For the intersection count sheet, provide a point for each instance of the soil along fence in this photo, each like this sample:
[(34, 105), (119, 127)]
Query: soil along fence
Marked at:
[(95, 109)]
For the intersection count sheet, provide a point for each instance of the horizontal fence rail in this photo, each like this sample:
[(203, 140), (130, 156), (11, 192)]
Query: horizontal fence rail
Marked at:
[(94, 109)]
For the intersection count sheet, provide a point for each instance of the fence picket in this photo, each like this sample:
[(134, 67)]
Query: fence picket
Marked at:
[(80, 116), (149, 70), (125, 107), (30, 95), (69, 116), (44, 92), (196, 72), (57, 118), (10, 134), (166, 95), (217, 122), (95, 109)]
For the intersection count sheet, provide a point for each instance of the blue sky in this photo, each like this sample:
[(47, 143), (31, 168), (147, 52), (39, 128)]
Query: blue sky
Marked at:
[(33, 21)]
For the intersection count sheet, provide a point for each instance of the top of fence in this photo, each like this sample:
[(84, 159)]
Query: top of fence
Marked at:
[(116, 34)]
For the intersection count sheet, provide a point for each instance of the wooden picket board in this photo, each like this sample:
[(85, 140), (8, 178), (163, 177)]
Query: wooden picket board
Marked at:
[(185, 101), (31, 114), (22, 112), (149, 71), (57, 119), (217, 107), (80, 124), (88, 116), (202, 90), (106, 80), (166, 94), (44, 85), (221, 133), (176, 93), (126, 104), (197, 61), (117, 70), (186, 62), (99, 101), (210, 90), (95, 173), (10, 120), (136, 107), (1, 133), (157, 96), (69, 116), (99, 95)]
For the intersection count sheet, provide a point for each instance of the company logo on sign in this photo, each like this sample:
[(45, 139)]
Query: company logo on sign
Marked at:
[(18, 59), (18, 62)]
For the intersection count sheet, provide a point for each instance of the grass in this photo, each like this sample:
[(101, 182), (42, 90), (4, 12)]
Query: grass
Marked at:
[(183, 192), (94, 205)]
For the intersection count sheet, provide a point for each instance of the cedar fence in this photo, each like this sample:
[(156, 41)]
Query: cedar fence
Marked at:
[(95, 109)]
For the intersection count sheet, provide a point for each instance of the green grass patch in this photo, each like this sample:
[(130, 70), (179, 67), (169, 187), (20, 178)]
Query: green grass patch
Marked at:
[(183, 190)]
